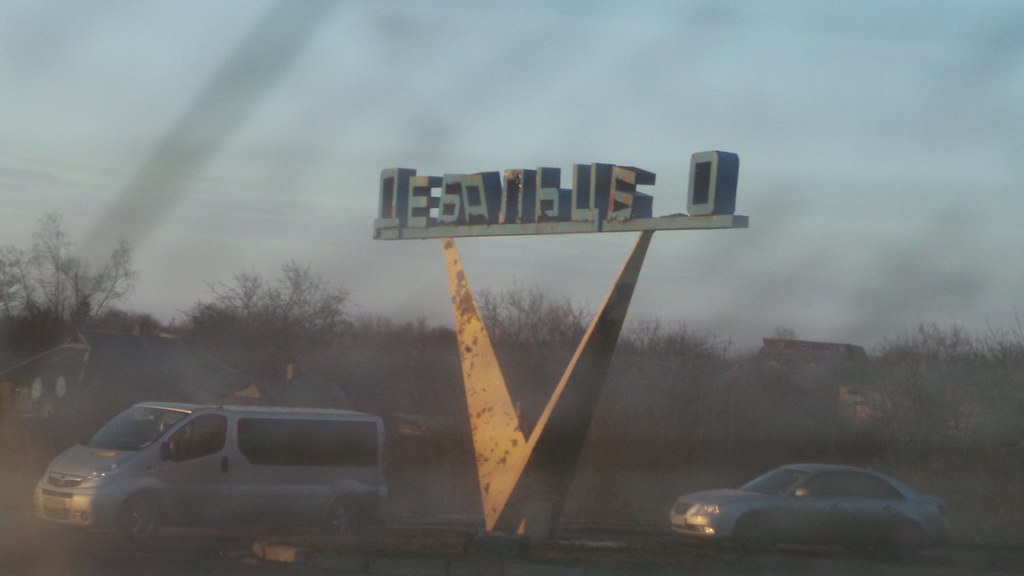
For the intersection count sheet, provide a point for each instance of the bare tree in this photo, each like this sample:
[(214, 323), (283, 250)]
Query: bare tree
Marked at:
[(50, 280), (784, 333), (522, 315), (242, 296), (13, 297), (260, 326)]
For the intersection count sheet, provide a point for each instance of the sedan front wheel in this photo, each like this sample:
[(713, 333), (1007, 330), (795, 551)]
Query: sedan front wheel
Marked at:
[(904, 541), (754, 533), (343, 515)]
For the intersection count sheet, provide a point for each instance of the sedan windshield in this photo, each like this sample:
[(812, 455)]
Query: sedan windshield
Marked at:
[(135, 428), (775, 482)]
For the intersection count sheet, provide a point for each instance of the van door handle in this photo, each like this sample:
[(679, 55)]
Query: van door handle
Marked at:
[(224, 464)]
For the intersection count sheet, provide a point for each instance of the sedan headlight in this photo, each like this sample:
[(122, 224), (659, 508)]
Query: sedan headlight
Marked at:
[(704, 510)]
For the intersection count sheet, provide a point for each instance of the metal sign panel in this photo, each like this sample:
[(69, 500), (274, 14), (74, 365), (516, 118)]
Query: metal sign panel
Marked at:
[(603, 198)]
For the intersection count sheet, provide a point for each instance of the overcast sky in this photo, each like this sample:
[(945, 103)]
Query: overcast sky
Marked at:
[(881, 148)]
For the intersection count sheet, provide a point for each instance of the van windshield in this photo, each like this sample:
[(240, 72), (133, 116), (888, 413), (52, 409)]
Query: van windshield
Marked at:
[(135, 428)]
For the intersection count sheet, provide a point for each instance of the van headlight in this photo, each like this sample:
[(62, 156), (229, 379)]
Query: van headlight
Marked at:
[(104, 472)]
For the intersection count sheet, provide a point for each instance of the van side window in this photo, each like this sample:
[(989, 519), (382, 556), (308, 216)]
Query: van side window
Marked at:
[(294, 442), (203, 436)]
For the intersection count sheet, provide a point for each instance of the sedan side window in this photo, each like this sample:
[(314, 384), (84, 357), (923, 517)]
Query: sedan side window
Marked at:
[(865, 486), (822, 486), (203, 436), (847, 485)]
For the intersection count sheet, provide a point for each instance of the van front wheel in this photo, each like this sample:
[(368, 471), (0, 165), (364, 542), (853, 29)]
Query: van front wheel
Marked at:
[(139, 519), (343, 515)]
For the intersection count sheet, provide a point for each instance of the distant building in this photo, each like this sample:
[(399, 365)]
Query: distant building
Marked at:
[(841, 371), (296, 393), (63, 395), (810, 349)]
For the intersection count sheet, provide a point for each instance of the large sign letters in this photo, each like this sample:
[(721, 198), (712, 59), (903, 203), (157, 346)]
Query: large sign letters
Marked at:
[(603, 198)]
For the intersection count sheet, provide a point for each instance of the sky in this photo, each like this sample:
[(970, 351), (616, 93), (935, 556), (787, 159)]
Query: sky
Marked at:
[(880, 148)]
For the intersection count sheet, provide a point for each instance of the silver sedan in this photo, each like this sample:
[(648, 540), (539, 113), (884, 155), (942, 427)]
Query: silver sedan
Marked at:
[(816, 504)]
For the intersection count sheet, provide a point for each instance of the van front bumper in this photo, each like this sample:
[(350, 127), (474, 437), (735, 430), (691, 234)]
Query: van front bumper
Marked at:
[(90, 507)]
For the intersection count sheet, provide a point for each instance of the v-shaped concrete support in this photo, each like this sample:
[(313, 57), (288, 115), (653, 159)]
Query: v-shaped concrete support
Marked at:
[(501, 449), (524, 482)]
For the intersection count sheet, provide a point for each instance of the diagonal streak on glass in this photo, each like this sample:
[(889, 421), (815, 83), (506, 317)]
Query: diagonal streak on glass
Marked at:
[(258, 63)]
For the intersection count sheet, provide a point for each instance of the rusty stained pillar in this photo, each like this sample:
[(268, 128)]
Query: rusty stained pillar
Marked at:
[(498, 441), (524, 485)]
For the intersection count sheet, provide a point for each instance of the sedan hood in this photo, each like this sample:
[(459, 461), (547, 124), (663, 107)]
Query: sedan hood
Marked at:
[(722, 496)]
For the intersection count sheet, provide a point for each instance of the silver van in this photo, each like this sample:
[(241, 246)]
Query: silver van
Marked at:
[(161, 463)]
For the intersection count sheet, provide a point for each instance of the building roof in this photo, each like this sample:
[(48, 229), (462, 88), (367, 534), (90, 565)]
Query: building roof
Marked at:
[(293, 393), (83, 383), (159, 368), (787, 345)]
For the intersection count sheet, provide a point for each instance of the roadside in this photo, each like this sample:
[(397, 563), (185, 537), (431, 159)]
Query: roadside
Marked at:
[(450, 548), (444, 550)]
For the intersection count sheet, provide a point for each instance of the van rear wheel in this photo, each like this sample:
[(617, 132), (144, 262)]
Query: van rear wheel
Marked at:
[(343, 515), (139, 519)]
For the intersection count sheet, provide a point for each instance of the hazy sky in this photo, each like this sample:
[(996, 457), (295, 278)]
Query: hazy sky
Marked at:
[(881, 147)]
